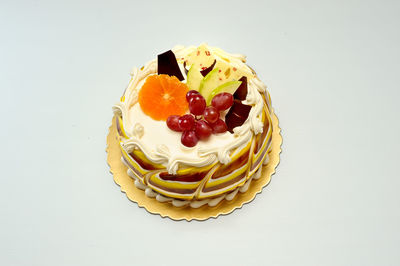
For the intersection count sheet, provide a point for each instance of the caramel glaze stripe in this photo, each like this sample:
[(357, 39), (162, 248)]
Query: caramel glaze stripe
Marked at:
[(267, 138), (267, 135), (266, 151), (133, 162), (254, 167), (268, 101), (259, 157), (143, 178), (269, 131), (202, 187), (134, 171), (239, 180), (120, 129), (268, 115), (250, 160), (150, 174), (205, 180)]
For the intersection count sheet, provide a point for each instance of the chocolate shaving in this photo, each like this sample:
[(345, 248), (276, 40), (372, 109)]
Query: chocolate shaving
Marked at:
[(237, 115), (241, 92), (208, 69), (184, 67), (167, 64)]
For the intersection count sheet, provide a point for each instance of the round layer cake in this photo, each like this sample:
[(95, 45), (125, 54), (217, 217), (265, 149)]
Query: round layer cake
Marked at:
[(194, 126)]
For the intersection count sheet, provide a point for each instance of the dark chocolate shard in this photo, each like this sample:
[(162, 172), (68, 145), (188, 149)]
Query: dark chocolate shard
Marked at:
[(241, 92), (184, 67), (167, 64), (237, 115), (240, 109), (232, 120), (208, 69)]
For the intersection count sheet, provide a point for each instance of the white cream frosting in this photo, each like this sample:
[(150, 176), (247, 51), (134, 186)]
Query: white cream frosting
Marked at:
[(162, 145)]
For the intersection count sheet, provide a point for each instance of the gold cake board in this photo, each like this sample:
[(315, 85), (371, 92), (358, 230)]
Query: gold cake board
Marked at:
[(166, 209)]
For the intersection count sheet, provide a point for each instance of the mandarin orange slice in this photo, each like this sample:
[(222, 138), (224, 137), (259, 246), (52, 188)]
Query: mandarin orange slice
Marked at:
[(162, 96)]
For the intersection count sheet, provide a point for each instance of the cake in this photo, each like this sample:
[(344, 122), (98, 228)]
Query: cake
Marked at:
[(194, 126)]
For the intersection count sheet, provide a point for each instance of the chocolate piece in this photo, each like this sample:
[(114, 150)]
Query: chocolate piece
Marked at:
[(241, 92), (208, 69), (167, 64), (240, 109), (232, 120), (237, 115), (184, 67)]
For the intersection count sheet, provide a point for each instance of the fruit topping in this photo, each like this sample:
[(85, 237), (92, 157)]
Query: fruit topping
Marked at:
[(202, 129), (186, 122), (162, 96), (229, 87), (167, 64), (194, 78), (190, 94), (231, 70), (237, 115), (208, 69), (206, 59), (222, 101), (214, 86), (197, 104), (173, 123), (207, 119), (209, 83), (189, 138), (219, 127), (211, 114), (201, 58), (241, 92)]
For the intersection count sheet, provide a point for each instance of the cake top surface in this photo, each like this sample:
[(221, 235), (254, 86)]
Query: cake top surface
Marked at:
[(145, 126)]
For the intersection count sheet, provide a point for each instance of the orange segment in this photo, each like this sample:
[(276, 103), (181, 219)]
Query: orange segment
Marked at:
[(162, 96)]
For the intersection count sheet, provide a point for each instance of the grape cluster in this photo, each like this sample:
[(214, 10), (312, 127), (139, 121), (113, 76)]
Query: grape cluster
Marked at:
[(203, 120)]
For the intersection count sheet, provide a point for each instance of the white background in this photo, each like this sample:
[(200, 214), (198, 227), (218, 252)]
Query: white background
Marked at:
[(332, 68)]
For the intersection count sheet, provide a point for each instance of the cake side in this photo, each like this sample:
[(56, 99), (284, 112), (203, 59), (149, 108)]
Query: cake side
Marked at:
[(213, 168)]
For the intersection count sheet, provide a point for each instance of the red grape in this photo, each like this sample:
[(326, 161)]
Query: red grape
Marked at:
[(222, 101), (211, 114), (186, 122), (219, 127), (190, 94), (197, 104), (173, 123), (189, 138), (202, 129)]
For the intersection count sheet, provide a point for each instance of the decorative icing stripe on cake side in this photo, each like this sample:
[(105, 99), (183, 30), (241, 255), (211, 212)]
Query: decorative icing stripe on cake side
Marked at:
[(167, 184), (134, 165), (263, 138), (195, 203)]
